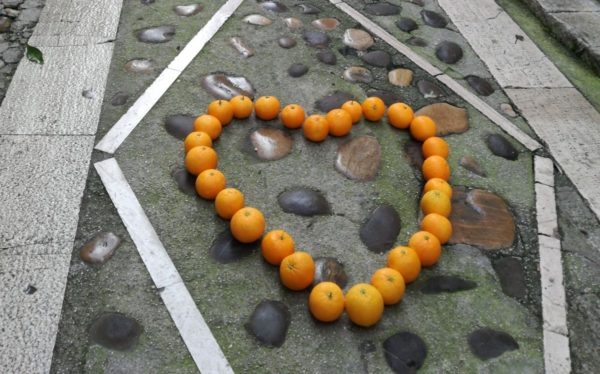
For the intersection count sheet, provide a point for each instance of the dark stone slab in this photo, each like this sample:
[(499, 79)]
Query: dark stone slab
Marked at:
[(225, 248), (269, 322), (487, 343), (380, 230), (512, 278), (297, 70), (417, 41), (446, 283), (404, 352), (480, 85), (304, 202), (407, 24), (115, 331), (500, 146), (185, 181)]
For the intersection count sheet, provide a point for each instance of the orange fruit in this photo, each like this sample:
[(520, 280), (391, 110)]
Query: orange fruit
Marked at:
[(435, 201), (435, 146), (221, 109), (267, 107), (364, 304), (209, 124), (247, 224), (297, 270), (340, 122), (292, 116), (315, 128), (326, 302), (373, 108), (241, 106), (196, 138), (438, 184), (209, 183), (228, 201), (199, 159), (422, 127), (400, 115), (406, 261), (354, 108), (438, 225), (390, 283), (435, 167), (427, 246), (276, 245)]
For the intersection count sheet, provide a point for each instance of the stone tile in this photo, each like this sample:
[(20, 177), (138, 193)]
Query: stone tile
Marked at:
[(569, 6), (557, 357), (42, 179), (544, 170), (553, 292), (546, 210)]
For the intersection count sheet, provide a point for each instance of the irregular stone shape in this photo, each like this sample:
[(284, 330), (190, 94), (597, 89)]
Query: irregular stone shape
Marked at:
[(487, 343), (388, 97), (257, 19), (88, 94), (400, 77), (382, 9), (241, 46), (303, 202), (316, 38), (358, 39), (297, 70), (482, 219), (179, 125), (158, 34), (500, 146), (448, 118), (448, 52), (377, 58), (325, 24), (512, 278), (188, 10), (224, 87), (446, 283), (358, 74), (327, 57), (186, 182), (433, 19), (407, 24), (428, 89), (471, 164), (329, 269), (480, 85), (119, 98), (269, 322), (417, 41), (286, 42), (332, 101), (30, 290), (508, 109), (115, 331), (271, 144), (100, 248), (225, 248), (274, 6), (404, 352), (140, 65), (359, 158), (380, 230), (293, 23), (5, 24), (308, 8)]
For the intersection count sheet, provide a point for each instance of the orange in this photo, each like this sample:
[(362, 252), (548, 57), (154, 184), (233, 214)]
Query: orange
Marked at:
[(438, 225), (229, 201), (196, 138), (364, 304), (315, 128), (209, 124), (292, 116), (297, 271), (209, 183), (340, 122), (390, 283), (354, 108), (241, 106), (267, 107), (422, 127), (221, 109), (400, 115), (406, 261), (435, 167), (427, 246), (326, 302), (435, 201), (276, 245), (247, 225), (373, 108), (199, 159), (435, 146), (438, 184)]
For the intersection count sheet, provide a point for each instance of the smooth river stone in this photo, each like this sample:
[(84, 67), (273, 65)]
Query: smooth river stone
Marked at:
[(159, 34), (433, 19), (358, 74), (140, 65), (377, 58), (328, 269), (115, 331), (400, 77), (480, 85), (471, 164), (481, 218), (327, 57), (500, 146), (225, 248), (241, 46), (286, 42), (358, 39), (269, 322), (293, 23), (270, 143), (359, 158), (512, 277), (100, 248), (332, 101), (380, 230), (325, 24), (407, 24), (448, 52), (257, 19), (448, 118), (274, 6), (315, 38), (188, 10), (487, 343), (446, 284), (179, 125), (429, 90), (382, 9), (404, 352), (304, 202), (224, 87), (297, 70)]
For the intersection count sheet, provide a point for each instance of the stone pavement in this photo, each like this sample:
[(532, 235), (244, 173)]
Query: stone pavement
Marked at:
[(34, 263)]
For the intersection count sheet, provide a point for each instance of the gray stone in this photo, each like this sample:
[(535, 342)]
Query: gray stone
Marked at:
[(480, 85), (382, 9), (315, 38), (380, 231), (417, 41), (512, 279), (433, 19), (407, 24), (12, 13), (12, 3), (327, 57), (377, 58), (487, 343), (508, 109), (500, 146), (269, 322), (30, 15), (428, 89), (115, 331), (241, 46), (308, 8), (5, 23), (12, 55), (471, 164), (3, 46), (297, 70), (304, 202), (448, 52), (274, 6)]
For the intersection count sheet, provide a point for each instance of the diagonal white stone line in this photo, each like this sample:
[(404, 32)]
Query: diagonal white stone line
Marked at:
[(191, 325), (125, 125)]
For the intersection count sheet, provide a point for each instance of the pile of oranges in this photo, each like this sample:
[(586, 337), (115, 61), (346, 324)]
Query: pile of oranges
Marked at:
[(363, 302)]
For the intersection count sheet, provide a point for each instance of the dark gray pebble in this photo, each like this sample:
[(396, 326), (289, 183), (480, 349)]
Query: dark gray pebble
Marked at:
[(382, 9), (115, 331), (377, 58), (500, 146), (404, 352), (433, 19), (297, 70), (487, 343), (380, 230), (448, 52), (327, 57), (304, 202), (269, 322), (480, 85), (407, 24)]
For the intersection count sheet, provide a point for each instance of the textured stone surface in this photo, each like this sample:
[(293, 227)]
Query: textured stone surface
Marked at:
[(115, 331), (380, 231), (359, 158), (404, 352), (270, 143), (487, 343), (512, 279), (269, 322), (448, 118), (304, 202)]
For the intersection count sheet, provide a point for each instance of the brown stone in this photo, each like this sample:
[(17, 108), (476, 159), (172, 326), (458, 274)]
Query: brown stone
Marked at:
[(359, 158), (482, 219), (271, 144), (400, 77), (448, 118)]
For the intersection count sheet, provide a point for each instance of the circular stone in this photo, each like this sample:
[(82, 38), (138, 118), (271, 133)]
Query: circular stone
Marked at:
[(406, 24), (404, 352), (269, 322), (358, 39), (377, 58), (382, 9), (271, 144), (115, 331), (433, 19), (448, 52), (480, 85), (297, 70), (327, 57), (286, 42)]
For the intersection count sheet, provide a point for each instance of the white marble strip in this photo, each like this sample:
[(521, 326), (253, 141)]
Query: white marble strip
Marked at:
[(125, 125), (193, 329)]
